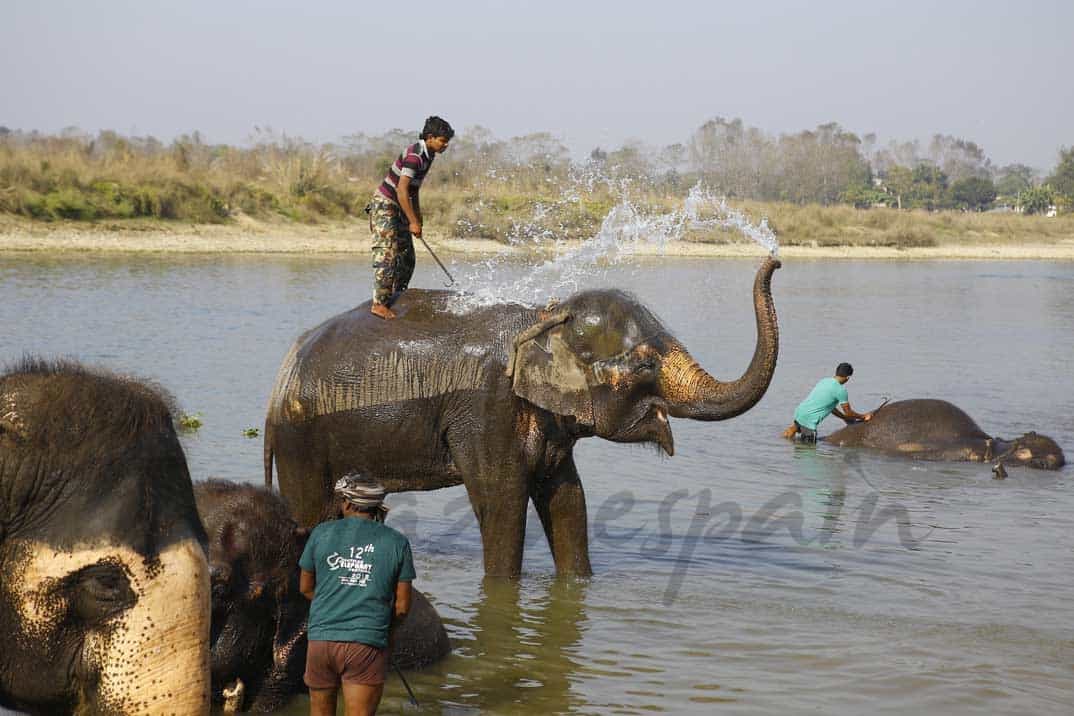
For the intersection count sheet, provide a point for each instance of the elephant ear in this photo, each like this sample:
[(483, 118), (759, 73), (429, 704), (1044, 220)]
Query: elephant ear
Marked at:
[(547, 372), (234, 540)]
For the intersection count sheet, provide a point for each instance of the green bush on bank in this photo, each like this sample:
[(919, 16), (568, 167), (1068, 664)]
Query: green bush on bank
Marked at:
[(111, 200), (168, 199)]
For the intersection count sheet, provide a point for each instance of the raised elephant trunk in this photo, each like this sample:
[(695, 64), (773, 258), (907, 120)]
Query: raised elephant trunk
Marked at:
[(692, 393)]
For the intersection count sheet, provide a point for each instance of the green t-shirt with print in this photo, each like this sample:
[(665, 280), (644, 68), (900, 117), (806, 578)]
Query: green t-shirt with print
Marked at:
[(828, 394), (357, 563)]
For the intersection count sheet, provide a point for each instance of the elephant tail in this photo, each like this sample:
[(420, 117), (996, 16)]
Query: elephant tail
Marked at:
[(268, 453)]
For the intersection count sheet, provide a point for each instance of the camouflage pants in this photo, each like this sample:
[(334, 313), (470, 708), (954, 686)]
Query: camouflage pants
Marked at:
[(393, 250)]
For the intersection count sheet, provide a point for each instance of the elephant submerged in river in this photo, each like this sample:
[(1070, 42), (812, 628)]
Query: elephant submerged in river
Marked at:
[(259, 617), (104, 582), (929, 429), (494, 399)]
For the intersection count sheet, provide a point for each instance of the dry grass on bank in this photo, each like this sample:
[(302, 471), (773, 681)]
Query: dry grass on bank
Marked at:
[(846, 226)]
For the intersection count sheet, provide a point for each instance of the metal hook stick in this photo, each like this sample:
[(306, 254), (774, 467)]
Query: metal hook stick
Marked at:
[(440, 263), (402, 678)]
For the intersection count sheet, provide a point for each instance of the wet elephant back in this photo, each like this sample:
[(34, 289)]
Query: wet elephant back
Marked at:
[(923, 421), (356, 360)]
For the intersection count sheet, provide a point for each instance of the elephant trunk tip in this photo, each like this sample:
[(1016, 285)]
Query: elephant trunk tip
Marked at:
[(234, 697), (771, 263)]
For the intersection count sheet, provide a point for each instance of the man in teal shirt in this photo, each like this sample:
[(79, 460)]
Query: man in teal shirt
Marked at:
[(357, 572), (828, 397)]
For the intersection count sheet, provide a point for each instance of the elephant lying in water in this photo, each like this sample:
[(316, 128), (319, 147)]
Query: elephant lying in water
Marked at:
[(937, 430), (495, 400), (259, 616), (104, 583)]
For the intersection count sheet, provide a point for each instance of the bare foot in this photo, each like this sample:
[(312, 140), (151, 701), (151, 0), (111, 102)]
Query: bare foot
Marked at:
[(382, 311)]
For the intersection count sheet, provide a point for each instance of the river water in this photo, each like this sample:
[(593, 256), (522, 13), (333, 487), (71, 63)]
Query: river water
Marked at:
[(746, 574)]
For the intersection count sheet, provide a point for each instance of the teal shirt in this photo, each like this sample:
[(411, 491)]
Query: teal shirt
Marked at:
[(821, 401), (357, 563)]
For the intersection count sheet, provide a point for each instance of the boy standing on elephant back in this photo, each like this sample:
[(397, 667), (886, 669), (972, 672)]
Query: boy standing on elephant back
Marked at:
[(395, 215)]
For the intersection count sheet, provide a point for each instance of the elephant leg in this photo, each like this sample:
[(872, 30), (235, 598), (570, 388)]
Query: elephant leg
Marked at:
[(560, 502), (500, 506), (302, 475), (496, 482)]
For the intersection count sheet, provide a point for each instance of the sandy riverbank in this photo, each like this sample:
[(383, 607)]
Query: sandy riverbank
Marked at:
[(257, 238)]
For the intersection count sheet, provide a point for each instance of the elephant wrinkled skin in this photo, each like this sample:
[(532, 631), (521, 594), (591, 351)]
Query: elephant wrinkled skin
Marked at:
[(104, 583), (929, 429), (495, 400)]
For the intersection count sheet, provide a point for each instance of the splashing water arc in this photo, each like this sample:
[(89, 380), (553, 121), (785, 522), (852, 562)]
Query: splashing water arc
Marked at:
[(623, 231)]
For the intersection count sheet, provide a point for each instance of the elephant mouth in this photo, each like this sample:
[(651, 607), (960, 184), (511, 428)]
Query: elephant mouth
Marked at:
[(665, 439), (1047, 462), (651, 427)]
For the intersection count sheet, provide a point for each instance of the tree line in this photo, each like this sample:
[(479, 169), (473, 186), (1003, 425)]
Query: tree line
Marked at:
[(76, 175), (829, 165)]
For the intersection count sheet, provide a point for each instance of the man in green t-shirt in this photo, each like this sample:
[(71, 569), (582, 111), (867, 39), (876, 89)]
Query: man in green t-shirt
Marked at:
[(357, 572), (828, 397)]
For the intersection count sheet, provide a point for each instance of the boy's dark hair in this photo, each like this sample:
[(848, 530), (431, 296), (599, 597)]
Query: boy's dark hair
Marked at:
[(844, 370), (436, 127)]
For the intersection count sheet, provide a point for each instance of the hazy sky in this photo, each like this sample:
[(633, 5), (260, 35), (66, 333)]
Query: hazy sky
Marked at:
[(592, 73)]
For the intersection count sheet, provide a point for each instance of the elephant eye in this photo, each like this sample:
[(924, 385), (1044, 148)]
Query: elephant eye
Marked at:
[(101, 591)]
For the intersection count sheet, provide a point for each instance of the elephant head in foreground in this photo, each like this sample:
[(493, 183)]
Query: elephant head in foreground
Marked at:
[(259, 617), (929, 429), (104, 583), (494, 399)]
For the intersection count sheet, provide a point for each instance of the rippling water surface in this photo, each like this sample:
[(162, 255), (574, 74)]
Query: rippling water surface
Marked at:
[(744, 575)]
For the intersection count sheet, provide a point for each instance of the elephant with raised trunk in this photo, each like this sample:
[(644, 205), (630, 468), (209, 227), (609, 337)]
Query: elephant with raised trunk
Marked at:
[(928, 429), (494, 399), (104, 582)]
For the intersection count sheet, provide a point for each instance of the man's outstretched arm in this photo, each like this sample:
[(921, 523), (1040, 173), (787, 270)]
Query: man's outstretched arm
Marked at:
[(847, 413)]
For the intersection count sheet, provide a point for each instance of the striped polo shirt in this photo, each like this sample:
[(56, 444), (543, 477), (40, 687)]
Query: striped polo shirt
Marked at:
[(414, 162)]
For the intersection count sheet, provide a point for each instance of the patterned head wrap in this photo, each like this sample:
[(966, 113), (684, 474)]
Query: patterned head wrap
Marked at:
[(361, 492)]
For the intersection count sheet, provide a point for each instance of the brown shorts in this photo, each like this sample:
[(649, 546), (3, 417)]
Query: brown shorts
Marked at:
[(329, 662)]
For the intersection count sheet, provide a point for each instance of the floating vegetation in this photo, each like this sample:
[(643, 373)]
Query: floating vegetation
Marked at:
[(189, 423)]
